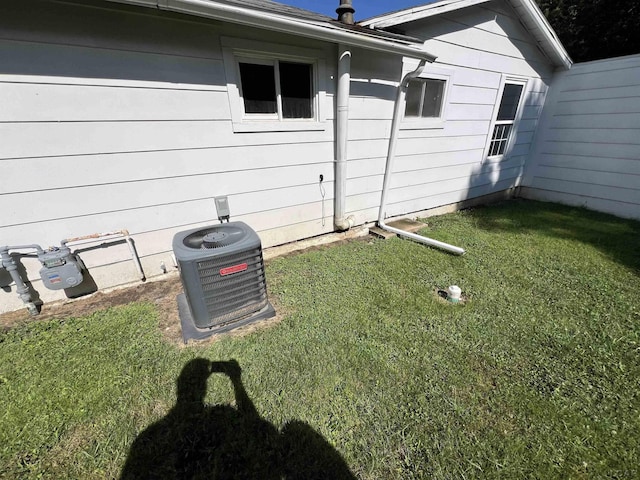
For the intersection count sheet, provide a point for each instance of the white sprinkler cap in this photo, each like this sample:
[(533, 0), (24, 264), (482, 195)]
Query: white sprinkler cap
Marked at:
[(454, 293)]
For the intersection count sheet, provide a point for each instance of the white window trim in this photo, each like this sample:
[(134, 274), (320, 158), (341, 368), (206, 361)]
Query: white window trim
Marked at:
[(430, 73), (234, 49), (516, 121)]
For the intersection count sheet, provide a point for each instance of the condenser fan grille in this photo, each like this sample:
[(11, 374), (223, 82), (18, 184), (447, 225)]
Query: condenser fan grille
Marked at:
[(233, 296), (214, 237)]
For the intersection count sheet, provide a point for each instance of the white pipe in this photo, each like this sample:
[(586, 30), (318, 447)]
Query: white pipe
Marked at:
[(342, 139), (128, 239), (291, 25), (391, 153)]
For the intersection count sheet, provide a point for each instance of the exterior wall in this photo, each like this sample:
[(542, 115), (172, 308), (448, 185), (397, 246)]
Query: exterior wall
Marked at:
[(587, 151), (440, 166), (121, 119)]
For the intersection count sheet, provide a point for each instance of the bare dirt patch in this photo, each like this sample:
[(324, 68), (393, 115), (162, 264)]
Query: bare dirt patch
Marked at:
[(161, 293)]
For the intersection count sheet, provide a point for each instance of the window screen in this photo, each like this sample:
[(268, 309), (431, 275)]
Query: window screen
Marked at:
[(258, 88), (424, 98), (509, 102), (296, 88)]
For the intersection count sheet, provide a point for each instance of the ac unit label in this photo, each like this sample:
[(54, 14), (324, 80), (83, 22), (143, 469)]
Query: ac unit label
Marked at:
[(235, 269)]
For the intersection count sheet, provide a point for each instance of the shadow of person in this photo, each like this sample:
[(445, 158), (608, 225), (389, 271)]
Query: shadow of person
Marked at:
[(197, 441)]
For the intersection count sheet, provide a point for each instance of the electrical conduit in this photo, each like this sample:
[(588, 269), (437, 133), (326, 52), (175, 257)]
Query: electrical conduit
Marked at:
[(391, 153)]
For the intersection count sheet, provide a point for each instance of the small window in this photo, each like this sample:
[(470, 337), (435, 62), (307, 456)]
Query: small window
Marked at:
[(278, 89), (507, 114), (424, 98)]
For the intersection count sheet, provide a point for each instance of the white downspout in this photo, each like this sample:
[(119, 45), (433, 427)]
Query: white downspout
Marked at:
[(393, 140), (342, 138)]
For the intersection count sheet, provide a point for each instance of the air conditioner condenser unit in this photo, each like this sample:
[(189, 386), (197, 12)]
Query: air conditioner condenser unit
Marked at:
[(222, 273)]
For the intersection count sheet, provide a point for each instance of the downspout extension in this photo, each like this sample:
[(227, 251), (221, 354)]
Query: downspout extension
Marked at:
[(391, 153), (341, 222)]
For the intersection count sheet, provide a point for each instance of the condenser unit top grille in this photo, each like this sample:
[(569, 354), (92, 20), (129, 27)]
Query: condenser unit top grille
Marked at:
[(214, 237), (201, 243)]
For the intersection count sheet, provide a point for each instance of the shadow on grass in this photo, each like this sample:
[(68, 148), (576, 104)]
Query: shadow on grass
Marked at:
[(199, 441), (616, 237)]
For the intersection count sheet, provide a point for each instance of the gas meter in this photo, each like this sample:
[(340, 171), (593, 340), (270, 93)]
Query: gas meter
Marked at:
[(60, 268)]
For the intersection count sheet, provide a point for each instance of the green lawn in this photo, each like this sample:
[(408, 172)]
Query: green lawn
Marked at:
[(536, 375)]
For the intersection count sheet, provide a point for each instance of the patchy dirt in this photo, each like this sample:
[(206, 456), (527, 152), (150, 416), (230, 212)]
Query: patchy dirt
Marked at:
[(162, 293)]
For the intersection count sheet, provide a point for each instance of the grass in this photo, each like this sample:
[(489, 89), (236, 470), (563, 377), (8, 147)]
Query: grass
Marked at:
[(536, 375)]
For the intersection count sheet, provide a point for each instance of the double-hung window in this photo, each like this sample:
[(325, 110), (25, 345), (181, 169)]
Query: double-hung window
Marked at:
[(506, 117), (274, 87)]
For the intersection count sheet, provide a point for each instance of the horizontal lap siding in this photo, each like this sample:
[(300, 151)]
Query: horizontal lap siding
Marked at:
[(131, 128), (435, 167), (588, 148)]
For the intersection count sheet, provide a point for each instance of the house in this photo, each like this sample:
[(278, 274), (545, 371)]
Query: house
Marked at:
[(137, 113)]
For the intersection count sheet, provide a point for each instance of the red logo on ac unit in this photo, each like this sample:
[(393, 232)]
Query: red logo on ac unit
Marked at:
[(235, 269)]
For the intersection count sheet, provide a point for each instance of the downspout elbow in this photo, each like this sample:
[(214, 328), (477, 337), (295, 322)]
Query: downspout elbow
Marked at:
[(344, 224)]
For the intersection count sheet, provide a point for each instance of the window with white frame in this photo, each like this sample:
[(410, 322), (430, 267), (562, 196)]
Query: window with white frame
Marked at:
[(507, 115), (274, 87), (426, 98)]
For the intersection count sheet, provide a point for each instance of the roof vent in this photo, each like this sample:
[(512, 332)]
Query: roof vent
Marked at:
[(345, 12)]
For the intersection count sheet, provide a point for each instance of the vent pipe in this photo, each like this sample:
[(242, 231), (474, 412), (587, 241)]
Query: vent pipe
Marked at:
[(345, 12)]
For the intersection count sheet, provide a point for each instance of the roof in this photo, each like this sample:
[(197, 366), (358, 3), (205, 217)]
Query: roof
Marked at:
[(280, 8), (530, 15), (277, 17)]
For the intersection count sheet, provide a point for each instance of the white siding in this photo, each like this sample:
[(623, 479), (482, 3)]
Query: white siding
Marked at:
[(120, 118), (587, 151), (439, 166), (107, 127)]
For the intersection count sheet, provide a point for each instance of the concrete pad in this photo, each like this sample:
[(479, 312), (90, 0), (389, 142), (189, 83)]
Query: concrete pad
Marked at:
[(404, 224), (407, 225), (380, 233)]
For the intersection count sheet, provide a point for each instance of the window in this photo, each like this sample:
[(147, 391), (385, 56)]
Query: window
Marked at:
[(277, 89), (506, 118), (424, 98), (274, 87)]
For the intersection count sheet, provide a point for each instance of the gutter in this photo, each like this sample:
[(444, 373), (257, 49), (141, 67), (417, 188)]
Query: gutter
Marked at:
[(391, 154), (294, 26)]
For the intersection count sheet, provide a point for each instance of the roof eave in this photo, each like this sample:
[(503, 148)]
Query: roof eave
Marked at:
[(415, 13), (547, 37), (279, 23), (554, 49)]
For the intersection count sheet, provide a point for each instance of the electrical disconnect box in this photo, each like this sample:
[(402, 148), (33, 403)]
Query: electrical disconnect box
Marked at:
[(222, 207), (60, 268)]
